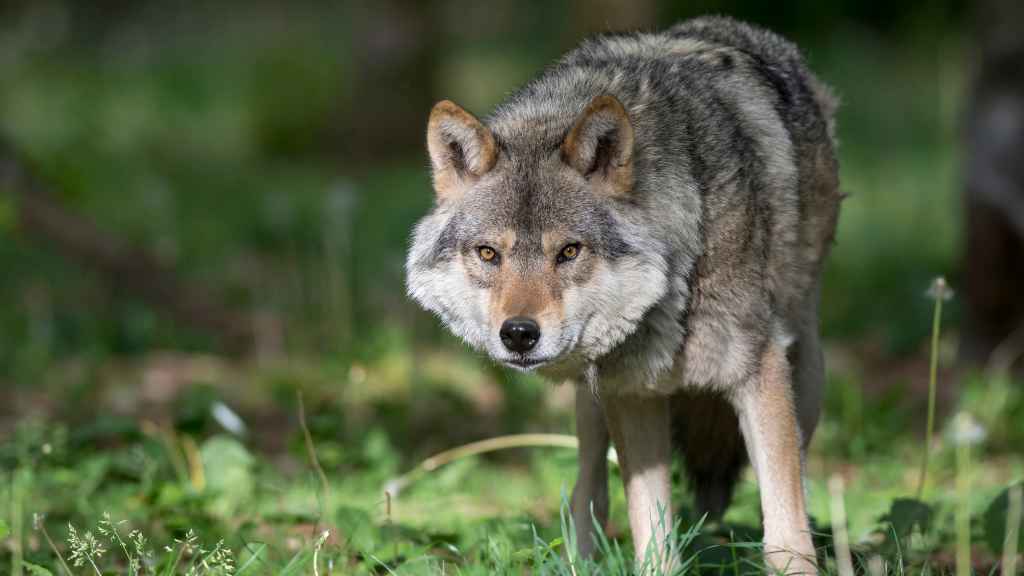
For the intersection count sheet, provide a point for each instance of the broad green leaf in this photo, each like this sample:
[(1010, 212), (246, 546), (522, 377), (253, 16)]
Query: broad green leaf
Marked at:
[(995, 522), (227, 466), (35, 569), (907, 513)]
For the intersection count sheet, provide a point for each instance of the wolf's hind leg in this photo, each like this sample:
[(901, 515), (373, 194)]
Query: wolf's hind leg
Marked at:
[(808, 365), (767, 416), (591, 491), (641, 430), (707, 433)]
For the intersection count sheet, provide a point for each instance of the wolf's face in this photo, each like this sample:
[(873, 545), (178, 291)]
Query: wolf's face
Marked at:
[(529, 253)]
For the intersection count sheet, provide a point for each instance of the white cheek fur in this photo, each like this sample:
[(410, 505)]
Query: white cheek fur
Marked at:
[(446, 292), (613, 303)]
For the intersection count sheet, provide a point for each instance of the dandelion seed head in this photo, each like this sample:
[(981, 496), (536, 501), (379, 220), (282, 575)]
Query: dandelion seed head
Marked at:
[(966, 430), (939, 289)]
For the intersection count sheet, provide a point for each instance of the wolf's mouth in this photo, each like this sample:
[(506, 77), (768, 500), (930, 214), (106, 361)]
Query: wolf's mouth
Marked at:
[(526, 363)]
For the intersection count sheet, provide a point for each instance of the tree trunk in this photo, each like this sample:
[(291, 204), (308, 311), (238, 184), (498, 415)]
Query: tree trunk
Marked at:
[(394, 46), (994, 194)]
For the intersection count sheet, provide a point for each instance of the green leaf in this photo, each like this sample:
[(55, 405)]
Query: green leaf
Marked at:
[(523, 554), (907, 513), (229, 475), (35, 569), (358, 526), (995, 521), (4, 529)]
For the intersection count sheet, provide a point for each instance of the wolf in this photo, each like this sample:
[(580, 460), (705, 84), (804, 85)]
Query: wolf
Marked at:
[(648, 219)]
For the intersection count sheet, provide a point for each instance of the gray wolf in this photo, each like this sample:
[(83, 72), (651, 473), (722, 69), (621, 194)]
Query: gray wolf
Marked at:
[(648, 219)]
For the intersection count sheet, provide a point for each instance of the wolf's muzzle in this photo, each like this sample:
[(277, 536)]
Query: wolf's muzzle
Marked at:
[(519, 334)]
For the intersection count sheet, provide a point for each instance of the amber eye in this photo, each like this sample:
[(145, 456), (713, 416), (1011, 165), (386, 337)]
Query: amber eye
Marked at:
[(487, 254), (570, 252)]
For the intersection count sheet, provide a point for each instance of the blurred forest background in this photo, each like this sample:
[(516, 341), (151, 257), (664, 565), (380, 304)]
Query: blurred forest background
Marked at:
[(204, 208)]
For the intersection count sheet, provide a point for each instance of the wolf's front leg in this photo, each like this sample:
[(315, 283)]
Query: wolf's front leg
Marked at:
[(591, 491), (641, 430), (767, 417)]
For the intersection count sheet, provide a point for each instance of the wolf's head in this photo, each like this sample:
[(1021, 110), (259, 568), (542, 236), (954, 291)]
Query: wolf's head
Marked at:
[(535, 251)]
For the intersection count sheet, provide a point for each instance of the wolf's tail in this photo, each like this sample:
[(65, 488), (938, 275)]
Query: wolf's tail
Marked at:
[(707, 433)]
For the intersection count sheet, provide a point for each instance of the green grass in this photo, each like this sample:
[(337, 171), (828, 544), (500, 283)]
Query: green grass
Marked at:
[(496, 513)]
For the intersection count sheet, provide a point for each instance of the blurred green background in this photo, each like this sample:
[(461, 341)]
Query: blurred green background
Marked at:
[(272, 156), (266, 160)]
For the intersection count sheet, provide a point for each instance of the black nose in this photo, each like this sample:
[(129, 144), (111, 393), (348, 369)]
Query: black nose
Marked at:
[(519, 334)]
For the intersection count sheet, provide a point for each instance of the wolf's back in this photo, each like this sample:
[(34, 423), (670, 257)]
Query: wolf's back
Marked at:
[(807, 108), (777, 59)]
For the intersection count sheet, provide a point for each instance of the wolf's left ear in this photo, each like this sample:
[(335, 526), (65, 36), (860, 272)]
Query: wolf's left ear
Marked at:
[(600, 146), (461, 149)]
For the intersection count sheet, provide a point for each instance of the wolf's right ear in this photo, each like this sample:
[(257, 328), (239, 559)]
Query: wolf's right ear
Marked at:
[(461, 149), (600, 146)]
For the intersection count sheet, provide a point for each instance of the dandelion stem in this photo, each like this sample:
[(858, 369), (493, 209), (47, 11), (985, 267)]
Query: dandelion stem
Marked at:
[(1013, 518), (963, 489), (939, 293), (841, 539)]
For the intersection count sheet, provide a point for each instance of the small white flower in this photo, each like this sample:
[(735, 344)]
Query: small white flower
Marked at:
[(966, 430), (939, 289)]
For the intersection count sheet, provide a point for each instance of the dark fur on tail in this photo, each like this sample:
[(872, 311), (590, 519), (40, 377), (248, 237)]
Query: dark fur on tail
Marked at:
[(707, 434)]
